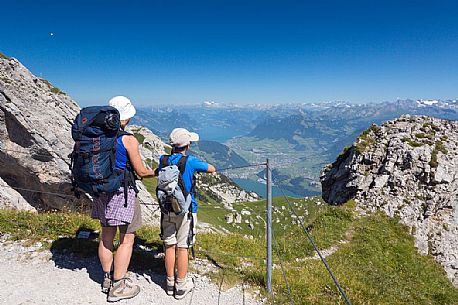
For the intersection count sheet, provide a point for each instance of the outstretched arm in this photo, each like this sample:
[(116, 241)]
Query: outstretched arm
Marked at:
[(131, 145), (211, 169)]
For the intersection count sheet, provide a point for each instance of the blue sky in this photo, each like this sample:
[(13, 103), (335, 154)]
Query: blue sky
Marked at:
[(237, 51)]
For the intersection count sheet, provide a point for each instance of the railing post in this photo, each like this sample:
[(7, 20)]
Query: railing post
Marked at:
[(269, 227)]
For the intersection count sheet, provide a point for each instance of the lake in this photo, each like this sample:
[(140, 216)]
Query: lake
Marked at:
[(260, 188)]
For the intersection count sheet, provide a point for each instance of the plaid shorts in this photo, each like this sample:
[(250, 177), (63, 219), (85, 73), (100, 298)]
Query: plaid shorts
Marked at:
[(110, 209)]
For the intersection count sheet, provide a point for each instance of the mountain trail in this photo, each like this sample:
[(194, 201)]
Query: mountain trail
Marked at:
[(31, 275)]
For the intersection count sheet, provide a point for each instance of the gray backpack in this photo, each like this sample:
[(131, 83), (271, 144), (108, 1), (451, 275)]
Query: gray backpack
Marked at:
[(171, 191)]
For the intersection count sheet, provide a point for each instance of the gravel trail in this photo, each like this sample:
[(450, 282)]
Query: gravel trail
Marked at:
[(30, 275)]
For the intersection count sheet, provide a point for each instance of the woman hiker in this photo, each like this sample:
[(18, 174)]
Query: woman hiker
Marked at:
[(110, 209)]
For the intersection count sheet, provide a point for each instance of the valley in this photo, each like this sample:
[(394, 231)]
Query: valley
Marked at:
[(299, 139)]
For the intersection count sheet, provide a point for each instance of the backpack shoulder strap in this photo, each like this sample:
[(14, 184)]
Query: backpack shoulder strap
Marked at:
[(182, 167), (182, 164), (123, 133), (164, 161), (129, 172)]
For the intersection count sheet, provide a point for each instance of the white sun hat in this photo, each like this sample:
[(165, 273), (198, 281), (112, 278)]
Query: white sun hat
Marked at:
[(180, 137), (124, 106)]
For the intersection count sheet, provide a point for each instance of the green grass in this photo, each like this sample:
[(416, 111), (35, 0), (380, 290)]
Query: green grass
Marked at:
[(150, 184), (213, 213), (52, 88), (140, 138), (43, 226), (3, 56), (366, 139), (151, 163), (378, 263), (382, 266), (57, 91), (422, 135), (412, 143), (441, 147), (438, 147)]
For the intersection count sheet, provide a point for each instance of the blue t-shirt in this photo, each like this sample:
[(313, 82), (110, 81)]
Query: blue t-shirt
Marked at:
[(121, 154), (193, 165)]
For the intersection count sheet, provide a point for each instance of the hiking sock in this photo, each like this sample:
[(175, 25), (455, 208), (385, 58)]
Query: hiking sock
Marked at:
[(180, 282), (183, 287), (106, 283), (170, 287)]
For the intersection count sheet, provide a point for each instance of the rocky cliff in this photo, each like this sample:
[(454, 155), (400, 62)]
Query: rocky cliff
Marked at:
[(35, 121), (407, 168), (151, 146), (35, 141)]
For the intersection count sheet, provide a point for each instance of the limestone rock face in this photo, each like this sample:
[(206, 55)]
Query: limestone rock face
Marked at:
[(151, 146), (221, 189), (10, 198), (151, 214), (35, 138), (407, 168)]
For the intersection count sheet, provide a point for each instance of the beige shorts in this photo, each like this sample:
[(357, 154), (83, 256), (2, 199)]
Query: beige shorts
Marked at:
[(178, 230), (137, 219)]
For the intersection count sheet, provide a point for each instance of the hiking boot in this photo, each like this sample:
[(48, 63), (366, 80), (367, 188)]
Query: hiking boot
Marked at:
[(122, 289), (106, 284), (170, 286), (182, 288)]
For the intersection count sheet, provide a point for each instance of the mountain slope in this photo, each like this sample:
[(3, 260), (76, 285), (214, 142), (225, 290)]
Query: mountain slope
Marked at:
[(406, 168)]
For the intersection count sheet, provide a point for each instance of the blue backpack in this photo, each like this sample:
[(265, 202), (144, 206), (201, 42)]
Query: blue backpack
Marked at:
[(93, 159)]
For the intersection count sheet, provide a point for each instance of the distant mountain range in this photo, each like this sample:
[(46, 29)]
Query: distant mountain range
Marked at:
[(298, 138), (212, 123)]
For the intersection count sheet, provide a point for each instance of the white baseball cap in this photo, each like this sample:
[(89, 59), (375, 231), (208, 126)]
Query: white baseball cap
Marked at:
[(124, 106), (180, 137)]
